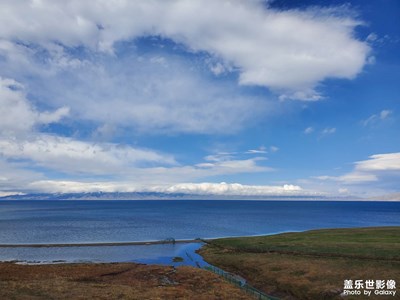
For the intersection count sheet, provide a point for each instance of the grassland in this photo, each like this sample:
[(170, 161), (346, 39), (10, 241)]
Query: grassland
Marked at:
[(311, 264), (112, 281)]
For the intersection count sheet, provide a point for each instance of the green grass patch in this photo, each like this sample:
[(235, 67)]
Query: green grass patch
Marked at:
[(374, 243)]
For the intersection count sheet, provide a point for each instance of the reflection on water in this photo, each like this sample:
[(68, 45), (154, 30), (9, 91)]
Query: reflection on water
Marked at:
[(148, 254)]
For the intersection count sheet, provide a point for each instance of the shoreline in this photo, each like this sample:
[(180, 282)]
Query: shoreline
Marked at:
[(131, 243), (138, 243), (103, 244), (178, 241)]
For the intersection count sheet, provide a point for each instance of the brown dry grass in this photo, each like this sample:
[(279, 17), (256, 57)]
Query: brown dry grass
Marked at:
[(112, 281), (306, 275), (301, 277)]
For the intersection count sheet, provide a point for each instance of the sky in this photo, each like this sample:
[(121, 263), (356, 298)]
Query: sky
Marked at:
[(221, 97)]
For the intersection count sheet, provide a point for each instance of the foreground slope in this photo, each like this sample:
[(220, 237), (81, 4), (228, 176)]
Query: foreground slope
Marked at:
[(112, 281), (311, 264)]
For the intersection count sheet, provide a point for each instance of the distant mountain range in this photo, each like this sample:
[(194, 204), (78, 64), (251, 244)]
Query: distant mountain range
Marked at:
[(160, 196)]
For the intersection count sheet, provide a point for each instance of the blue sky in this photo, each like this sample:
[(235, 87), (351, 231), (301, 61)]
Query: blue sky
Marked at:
[(207, 97)]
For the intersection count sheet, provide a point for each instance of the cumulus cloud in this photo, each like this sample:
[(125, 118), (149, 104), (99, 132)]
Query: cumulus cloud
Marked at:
[(84, 60), (17, 115), (268, 47)]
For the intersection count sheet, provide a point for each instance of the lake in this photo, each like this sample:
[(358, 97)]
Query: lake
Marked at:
[(42, 222)]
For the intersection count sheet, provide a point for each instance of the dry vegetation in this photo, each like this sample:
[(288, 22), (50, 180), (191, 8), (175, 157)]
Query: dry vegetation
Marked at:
[(112, 281), (311, 265)]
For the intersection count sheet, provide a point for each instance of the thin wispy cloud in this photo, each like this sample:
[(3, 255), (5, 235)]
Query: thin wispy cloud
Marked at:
[(377, 167), (260, 150), (308, 130), (375, 118), (273, 149), (328, 131)]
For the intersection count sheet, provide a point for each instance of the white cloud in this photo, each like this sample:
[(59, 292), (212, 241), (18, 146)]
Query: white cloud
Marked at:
[(220, 156), (234, 189), (14, 177), (134, 91), (273, 149), (81, 59), (309, 130), (73, 156), (256, 151), (329, 130), (372, 37), (357, 177), (127, 166), (232, 166), (218, 69), (4, 194), (374, 169), (380, 162), (375, 118), (17, 115), (384, 114), (287, 51), (158, 179), (260, 150), (105, 132), (65, 186), (228, 189), (201, 171), (350, 178)]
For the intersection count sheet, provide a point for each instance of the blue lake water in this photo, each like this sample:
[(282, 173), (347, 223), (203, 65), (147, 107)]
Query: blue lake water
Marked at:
[(25, 222), (149, 254)]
